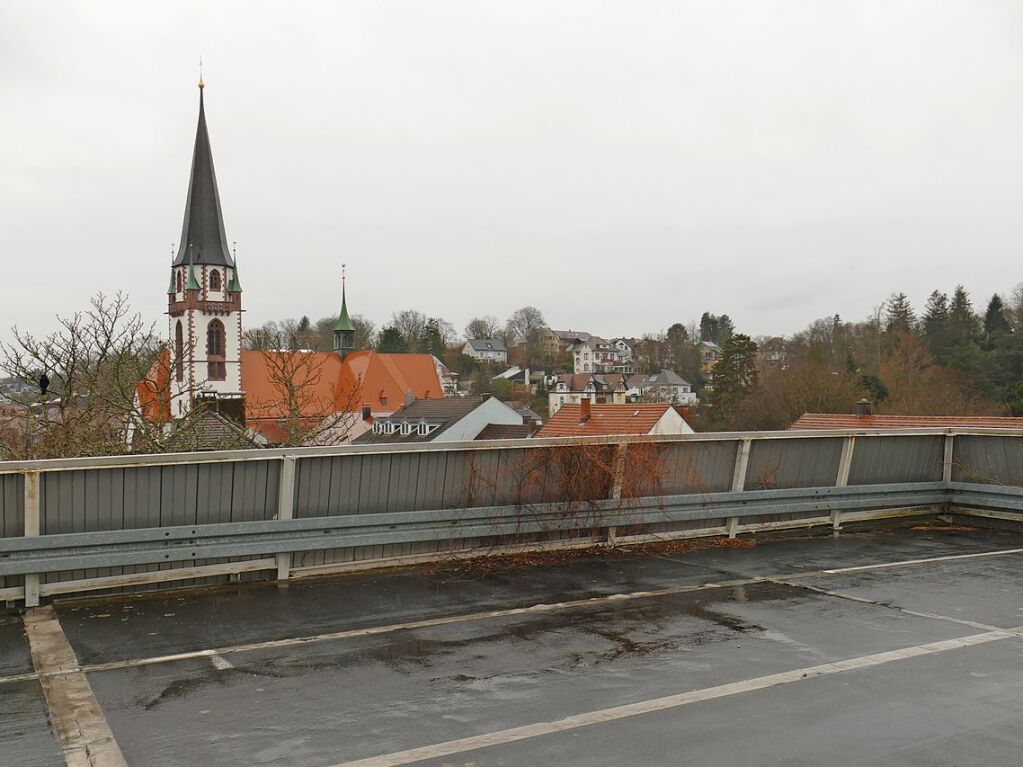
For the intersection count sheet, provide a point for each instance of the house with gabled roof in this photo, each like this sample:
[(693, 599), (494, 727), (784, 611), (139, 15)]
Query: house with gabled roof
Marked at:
[(486, 350)]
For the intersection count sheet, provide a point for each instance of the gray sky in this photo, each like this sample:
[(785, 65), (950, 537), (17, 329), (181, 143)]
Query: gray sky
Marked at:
[(620, 165)]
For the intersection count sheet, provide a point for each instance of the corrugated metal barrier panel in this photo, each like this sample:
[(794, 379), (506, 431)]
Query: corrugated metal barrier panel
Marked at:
[(793, 463), (988, 460), (885, 460)]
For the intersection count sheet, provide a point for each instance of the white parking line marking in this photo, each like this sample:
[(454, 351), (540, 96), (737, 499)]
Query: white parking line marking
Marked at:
[(928, 560), (74, 711), (501, 737), (492, 614)]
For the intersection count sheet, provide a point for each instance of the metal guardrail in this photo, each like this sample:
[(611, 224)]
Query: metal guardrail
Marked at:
[(77, 525)]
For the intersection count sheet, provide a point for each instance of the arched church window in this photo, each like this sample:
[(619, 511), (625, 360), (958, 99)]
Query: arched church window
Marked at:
[(215, 339), (179, 349), (216, 370), (179, 281), (214, 280)]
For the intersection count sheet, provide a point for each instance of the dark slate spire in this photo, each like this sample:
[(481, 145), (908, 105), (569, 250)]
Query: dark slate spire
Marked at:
[(202, 234)]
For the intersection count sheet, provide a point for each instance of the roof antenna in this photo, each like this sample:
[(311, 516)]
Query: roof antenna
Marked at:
[(201, 83)]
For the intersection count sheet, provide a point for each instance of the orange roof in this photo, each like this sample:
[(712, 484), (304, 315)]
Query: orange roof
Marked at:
[(604, 419), (328, 385), (852, 421)]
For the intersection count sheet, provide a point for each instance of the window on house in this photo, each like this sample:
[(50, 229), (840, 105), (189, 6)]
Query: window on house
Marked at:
[(179, 351), (214, 280), (424, 429), (406, 428)]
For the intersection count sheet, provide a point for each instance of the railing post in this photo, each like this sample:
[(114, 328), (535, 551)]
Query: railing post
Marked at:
[(741, 464), (285, 510), (739, 479), (842, 480), (946, 464), (31, 530)]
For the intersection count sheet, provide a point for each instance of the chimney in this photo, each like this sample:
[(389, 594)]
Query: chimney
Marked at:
[(584, 413), (409, 398), (367, 412), (863, 408)]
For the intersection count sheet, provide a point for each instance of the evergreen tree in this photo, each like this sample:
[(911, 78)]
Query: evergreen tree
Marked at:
[(735, 376), (963, 323), (391, 341), (900, 317), (995, 321), (935, 323), (716, 328)]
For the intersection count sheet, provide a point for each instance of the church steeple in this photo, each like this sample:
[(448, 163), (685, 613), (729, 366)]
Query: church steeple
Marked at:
[(344, 331), (205, 297), (202, 233)]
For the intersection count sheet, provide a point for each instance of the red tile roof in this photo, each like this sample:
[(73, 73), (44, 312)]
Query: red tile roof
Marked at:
[(332, 385), (327, 385), (605, 419), (851, 421)]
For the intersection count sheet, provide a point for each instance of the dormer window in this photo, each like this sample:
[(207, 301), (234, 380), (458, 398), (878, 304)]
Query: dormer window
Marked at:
[(424, 429), (389, 427), (214, 280), (406, 428)]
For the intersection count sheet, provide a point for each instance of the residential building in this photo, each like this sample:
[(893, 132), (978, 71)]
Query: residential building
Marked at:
[(574, 388), (598, 355), (555, 342), (587, 419), (486, 350), (710, 355), (456, 419), (666, 386)]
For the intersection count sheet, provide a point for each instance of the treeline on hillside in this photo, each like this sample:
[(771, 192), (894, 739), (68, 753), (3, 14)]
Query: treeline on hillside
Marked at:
[(947, 360)]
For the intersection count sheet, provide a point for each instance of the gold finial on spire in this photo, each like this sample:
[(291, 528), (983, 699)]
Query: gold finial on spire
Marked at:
[(201, 83)]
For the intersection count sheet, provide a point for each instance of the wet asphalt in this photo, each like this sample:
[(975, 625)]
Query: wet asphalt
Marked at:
[(320, 704)]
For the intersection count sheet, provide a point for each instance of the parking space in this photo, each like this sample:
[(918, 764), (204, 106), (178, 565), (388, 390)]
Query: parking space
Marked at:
[(761, 655)]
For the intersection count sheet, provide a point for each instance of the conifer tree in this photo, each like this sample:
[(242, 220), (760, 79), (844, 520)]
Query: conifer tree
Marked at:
[(995, 321), (900, 317), (935, 323)]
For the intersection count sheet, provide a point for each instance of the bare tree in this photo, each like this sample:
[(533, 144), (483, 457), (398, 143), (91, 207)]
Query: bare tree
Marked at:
[(108, 377), (303, 407), (486, 326), (524, 327), (411, 325)]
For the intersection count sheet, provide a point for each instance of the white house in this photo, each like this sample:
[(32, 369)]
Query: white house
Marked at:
[(485, 350), (573, 389), (666, 386), (598, 355)]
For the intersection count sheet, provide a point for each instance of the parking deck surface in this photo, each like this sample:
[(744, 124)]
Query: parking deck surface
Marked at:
[(896, 646)]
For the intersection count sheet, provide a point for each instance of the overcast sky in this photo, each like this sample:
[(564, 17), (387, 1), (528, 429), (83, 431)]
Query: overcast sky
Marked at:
[(620, 165)]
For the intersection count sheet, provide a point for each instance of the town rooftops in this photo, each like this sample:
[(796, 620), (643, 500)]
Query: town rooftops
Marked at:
[(853, 421), (604, 419), (486, 344)]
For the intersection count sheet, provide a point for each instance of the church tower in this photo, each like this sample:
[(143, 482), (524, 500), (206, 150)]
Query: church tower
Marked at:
[(205, 297), (344, 331)]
